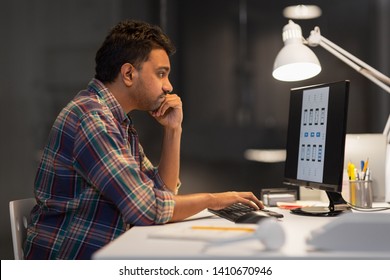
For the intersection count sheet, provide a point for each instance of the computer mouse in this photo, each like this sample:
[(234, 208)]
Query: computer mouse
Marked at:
[(271, 234), (253, 217)]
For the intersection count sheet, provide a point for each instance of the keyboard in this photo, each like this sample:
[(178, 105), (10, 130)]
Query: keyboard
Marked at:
[(244, 214)]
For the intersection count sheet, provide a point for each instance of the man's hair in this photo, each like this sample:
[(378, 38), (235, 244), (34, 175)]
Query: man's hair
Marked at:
[(130, 41)]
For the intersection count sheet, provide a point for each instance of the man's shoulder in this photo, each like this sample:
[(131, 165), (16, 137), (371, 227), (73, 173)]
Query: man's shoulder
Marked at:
[(86, 102), (83, 105)]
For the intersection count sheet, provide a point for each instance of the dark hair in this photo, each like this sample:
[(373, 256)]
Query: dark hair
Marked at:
[(130, 41)]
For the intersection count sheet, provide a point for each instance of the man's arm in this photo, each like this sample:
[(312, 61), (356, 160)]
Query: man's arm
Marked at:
[(169, 166), (170, 116), (188, 205)]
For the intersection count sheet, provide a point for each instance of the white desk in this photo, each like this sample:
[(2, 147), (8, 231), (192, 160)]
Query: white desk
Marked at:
[(137, 243)]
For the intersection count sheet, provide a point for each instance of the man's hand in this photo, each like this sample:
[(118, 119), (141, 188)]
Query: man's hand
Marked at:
[(222, 200), (170, 113)]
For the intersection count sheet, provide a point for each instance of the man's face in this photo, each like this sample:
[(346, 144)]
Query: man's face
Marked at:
[(152, 83)]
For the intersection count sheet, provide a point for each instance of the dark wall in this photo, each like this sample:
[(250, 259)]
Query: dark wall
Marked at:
[(222, 71), (232, 103)]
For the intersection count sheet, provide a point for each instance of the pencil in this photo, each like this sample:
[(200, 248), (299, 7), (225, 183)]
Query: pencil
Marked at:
[(223, 228)]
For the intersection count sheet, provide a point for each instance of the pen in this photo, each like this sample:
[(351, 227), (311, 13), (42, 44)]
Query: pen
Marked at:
[(367, 174), (365, 166), (223, 228), (365, 170)]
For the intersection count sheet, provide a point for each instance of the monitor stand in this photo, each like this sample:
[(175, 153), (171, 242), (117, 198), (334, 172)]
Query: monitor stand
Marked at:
[(337, 205)]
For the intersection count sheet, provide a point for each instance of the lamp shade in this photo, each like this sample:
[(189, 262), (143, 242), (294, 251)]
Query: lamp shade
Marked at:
[(302, 12), (295, 61)]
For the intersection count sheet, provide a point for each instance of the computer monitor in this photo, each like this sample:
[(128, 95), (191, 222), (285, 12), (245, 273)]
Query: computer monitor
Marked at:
[(315, 143)]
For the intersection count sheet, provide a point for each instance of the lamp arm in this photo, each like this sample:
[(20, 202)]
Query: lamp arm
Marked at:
[(365, 72), (360, 66), (358, 61)]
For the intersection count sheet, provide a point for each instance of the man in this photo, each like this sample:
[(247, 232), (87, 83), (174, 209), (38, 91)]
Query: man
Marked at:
[(94, 180)]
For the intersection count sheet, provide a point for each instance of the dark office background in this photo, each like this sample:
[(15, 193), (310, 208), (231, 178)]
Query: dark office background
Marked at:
[(222, 71)]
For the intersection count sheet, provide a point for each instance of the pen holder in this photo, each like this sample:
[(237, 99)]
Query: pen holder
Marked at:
[(361, 193)]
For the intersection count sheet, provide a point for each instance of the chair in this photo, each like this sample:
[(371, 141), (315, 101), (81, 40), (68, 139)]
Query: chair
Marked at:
[(19, 211)]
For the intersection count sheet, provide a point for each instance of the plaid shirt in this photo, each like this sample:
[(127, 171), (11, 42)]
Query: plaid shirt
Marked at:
[(93, 181)]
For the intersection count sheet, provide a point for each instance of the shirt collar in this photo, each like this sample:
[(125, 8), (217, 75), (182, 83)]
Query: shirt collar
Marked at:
[(110, 101)]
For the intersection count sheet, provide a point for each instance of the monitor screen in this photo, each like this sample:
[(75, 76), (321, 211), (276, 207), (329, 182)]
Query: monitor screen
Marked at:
[(316, 139)]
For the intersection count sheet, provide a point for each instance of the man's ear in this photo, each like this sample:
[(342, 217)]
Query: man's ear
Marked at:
[(127, 73)]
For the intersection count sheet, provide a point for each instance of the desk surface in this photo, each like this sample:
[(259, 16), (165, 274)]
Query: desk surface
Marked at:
[(139, 242)]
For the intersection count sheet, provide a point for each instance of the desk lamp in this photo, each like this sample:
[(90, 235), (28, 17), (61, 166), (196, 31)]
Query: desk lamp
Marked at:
[(296, 61)]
